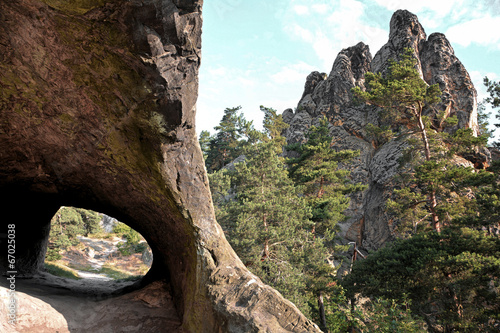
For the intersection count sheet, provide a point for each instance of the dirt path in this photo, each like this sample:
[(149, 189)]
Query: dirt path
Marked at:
[(98, 256), (95, 303), (93, 255)]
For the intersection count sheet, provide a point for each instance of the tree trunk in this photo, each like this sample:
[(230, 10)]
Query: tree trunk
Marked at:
[(264, 220), (321, 191), (60, 224), (322, 316), (427, 150), (432, 207)]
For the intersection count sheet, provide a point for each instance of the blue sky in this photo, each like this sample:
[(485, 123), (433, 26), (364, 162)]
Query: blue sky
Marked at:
[(258, 52)]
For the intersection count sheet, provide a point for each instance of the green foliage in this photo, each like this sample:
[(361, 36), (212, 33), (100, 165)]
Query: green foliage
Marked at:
[(265, 218), (220, 183), (62, 271), (485, 205), (448, 276), (91, 221), (380, 135), (133, 244), (451, 277), (465, 142), (52, 254), (402, 93), (493, 99), (228, 142), (323, 183), (388, 316), (204, 140), (494, 91), (378, 315), (446, 181), (428, 183), (280, 229), (274, 125), (483, 120), (66, 225), (454, 185)]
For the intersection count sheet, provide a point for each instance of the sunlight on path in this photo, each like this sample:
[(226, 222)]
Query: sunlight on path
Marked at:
[(93, 276), (102, 248)]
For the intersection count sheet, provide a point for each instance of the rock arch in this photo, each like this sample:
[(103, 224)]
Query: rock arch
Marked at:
[(97, 110)]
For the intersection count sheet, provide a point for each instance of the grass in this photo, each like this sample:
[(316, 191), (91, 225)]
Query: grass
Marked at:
[(108, 270), (102, 235), (117, 267), (117, 274), (82, 267), (62, 271)]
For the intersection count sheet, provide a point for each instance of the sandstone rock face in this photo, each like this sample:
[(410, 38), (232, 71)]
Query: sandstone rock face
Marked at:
[(376, 166), (97, 108)]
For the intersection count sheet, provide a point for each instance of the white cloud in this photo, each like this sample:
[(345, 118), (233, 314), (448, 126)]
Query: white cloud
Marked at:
[(293, 73), (434, 14), (374, 37), (347, 14), (325, 48), (301, 10), (218, 72), (247, 82), (440, 8), (483, 31), (343, 27), (320, 8), (298, 31), (350, 27), (477, 79)]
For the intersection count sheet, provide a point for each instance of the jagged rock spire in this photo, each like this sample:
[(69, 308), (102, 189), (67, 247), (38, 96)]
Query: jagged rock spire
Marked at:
[(331, 97)]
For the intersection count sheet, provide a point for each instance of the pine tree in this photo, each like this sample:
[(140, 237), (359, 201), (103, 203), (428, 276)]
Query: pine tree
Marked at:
[(428, 182), (66, 225), (91, 221), (204, 140), (451, 278), (325, 185), (227, 143), (266, 220), (441, 176), (494, 91), (485, 204), (404, 95), (494, 100)]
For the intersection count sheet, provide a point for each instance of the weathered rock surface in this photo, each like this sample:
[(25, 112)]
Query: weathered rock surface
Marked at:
[(45, 306), (368, 224), (97, 108)]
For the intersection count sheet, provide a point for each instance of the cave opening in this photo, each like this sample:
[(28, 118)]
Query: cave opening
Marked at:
[(87, 304), (52, 244), (94, 247)]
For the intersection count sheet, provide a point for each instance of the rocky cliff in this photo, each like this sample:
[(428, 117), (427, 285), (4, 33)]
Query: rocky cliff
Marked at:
[(97, 109), (330, 96)]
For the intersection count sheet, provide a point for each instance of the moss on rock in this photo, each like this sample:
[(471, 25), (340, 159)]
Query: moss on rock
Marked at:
[(78, 7)]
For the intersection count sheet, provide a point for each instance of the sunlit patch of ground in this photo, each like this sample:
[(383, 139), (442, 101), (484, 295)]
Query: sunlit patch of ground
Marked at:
[(99, 259)]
